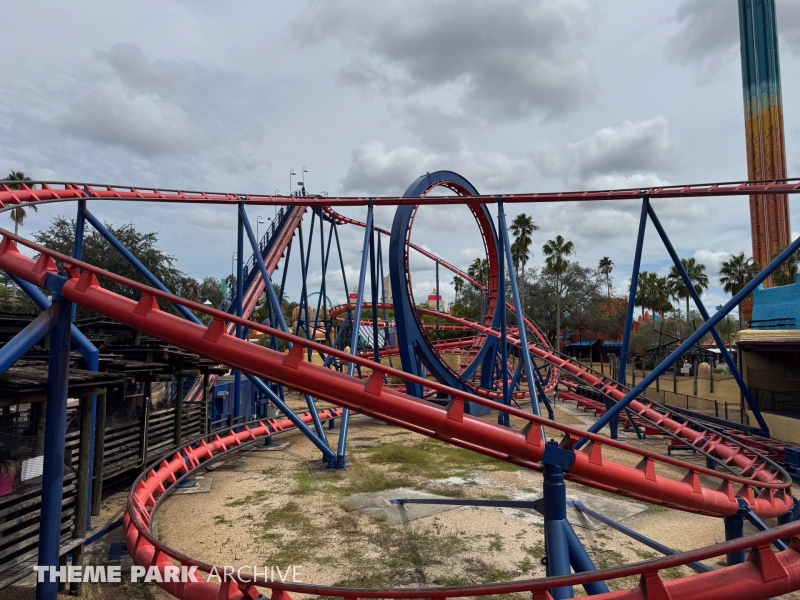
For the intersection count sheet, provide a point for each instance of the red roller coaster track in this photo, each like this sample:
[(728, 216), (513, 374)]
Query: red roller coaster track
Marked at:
[(761, 485)]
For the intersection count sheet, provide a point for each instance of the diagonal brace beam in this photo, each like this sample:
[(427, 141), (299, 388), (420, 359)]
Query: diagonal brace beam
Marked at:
[(693, 339), (704, 313)]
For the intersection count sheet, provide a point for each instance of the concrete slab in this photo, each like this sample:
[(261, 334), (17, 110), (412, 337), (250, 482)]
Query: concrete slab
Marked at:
[(203, 486), (376, 504), (613, 508)]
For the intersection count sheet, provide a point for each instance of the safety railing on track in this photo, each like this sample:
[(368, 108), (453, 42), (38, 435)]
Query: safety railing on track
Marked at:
[(589, 467), (764, 574)]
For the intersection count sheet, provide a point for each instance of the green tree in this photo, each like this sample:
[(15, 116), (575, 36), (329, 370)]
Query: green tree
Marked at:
[(60, 236), (520, 255), (522, 227), (697, 275), (458, 284), (654, 293), (737, 272), (556, 252), (18, 214), (479, 271), (605, 267), (786, 274), (210, 290)]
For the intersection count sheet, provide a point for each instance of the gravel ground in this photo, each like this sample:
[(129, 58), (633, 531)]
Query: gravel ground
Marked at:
[(281, 508), (261, 511)]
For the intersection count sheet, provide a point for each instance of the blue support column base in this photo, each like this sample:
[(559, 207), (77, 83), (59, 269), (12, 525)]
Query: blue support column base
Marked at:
[(555, 516), (55, 437), (734, 529)]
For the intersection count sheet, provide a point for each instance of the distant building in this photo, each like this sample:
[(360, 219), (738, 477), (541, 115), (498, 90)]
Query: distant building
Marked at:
[(432, 300), (770, 355)]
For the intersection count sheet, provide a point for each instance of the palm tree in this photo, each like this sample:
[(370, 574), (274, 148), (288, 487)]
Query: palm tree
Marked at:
[(479, 271), (662, 292), (697, 275), (737, 272), (653, 292), (645, 290), (458, 284), (18, 214), (522, 227), (606, 267), (520, 255), (786, 274), (556, 264)]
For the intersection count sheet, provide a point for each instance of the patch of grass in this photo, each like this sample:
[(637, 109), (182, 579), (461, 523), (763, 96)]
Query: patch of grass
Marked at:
[(451, 580), (526, 566), (496, 545), (304, 482), (360, 478), (297, 544), (655, 508), (139, 590), (410, 551), (605, 558), (536, 551), (673, 573), (254, 498), (497, 497), (486, 573), (221, 520), (431, 459), (644, 554)]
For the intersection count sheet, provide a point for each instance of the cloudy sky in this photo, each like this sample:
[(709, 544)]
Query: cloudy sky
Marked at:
[(516, 96)]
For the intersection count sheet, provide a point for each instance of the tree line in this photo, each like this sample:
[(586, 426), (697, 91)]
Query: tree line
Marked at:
[(563, 295)]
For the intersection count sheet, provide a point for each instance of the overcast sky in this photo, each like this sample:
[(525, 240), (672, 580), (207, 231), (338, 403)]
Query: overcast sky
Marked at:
[(516, 96)]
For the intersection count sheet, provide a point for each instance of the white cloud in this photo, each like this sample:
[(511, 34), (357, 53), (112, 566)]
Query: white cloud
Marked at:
[(145, 123), (631, 154), (378, 171), (511, 59), (712, 259), (706, 34)]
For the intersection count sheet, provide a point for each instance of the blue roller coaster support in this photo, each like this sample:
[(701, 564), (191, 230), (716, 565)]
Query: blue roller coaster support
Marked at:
[(362, 275), (414, 349), (693, 339), (55, 438), (128, 255), (704, 313), (523, 336), (275, 303), (502, 417), (237, 374), (28, 337), (91, 355), (626, 338), (92, 358), (555, 515), (373, 272), (734, 529), (581, 561)]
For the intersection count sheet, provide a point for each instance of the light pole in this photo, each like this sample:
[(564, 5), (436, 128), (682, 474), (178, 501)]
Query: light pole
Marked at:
[(304, 176), (291, 174)]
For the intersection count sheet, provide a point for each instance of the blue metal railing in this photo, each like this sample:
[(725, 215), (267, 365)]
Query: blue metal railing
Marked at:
[(250, 271)]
